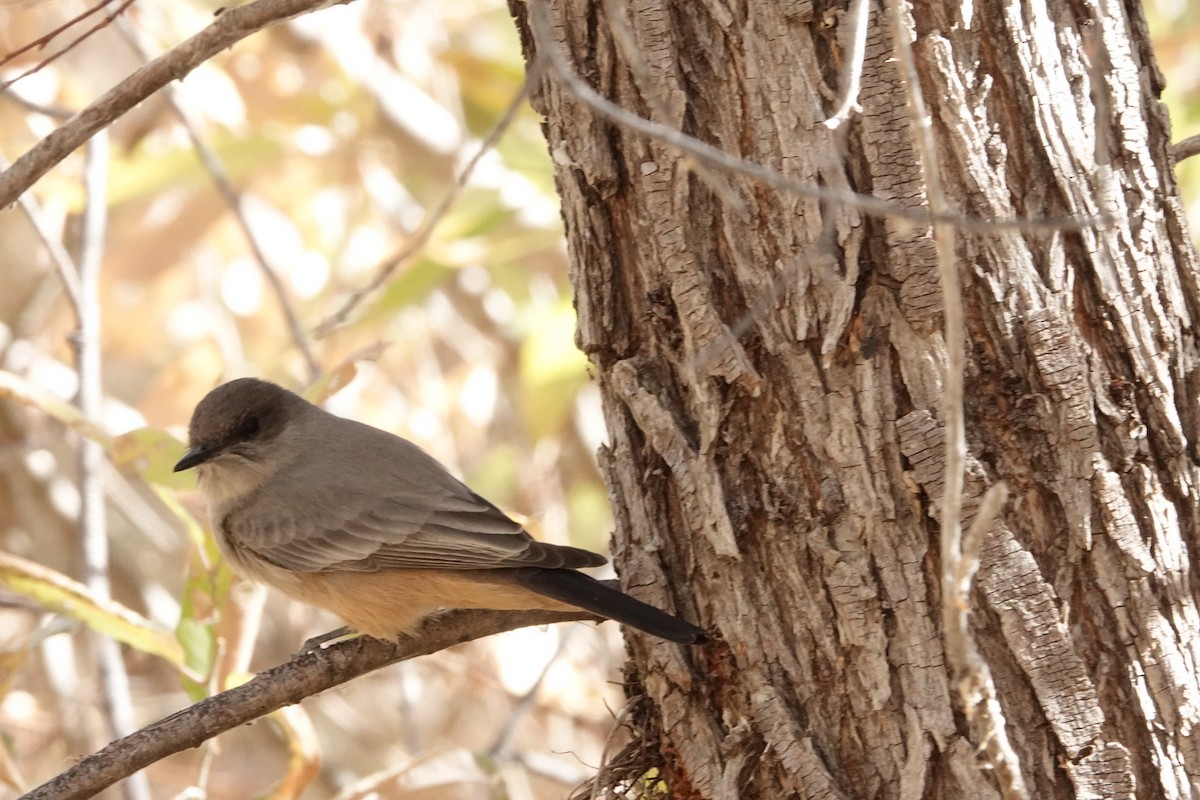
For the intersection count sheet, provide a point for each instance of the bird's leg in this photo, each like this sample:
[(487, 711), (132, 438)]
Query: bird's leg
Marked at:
[(326, 639)]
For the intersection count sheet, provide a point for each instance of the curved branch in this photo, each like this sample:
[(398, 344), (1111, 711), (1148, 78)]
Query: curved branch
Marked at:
[(542, 29), (1187, 148), (229, 28), (307, 673)]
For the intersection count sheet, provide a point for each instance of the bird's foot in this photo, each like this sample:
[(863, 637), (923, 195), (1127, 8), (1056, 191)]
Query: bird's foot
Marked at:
[(325, 640)]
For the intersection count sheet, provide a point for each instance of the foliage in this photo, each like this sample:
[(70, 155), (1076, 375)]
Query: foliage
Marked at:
[(339, 132)]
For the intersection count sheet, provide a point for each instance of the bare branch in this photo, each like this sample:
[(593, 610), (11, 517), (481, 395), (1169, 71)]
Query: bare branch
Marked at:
[(1187, 148), (57, 112), (46, 38), (501, 745), (306, 674), (68, 273), (216, 170), (540, 26), (229, 28), (93, 527), (989, 508), (977, 692), (424, 231)]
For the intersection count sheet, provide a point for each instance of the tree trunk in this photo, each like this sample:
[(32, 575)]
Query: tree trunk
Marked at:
[(772, 379)]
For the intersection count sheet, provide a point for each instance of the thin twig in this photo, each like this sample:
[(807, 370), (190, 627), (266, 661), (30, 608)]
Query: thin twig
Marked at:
[(420, 237), (976, 689), (87, 357), (498, 751), (45, 39), (857, 17), (93, 527), (307, 673), (45, 62), (596, 784), (55, 112), (216, 170), (68, 273), (989, 508), (1186, 149), (539, 25), (229, 28)]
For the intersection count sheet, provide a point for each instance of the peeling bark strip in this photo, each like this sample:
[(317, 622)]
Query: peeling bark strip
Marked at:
[(1034, 632), (781, 484), (700, 499)]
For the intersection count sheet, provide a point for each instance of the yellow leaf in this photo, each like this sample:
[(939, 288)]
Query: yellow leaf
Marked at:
[(335, 379), (59, 593), (17, 388)]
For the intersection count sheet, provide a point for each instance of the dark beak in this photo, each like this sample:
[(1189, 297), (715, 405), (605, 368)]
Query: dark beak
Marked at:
[(192, 458)]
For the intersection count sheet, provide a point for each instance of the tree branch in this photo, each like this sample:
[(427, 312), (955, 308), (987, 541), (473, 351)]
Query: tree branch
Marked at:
[(1187, 148), (229, 28), (41, 42), (542, 30), (307, 673), (429, 223), (857, 16), (216, 170)]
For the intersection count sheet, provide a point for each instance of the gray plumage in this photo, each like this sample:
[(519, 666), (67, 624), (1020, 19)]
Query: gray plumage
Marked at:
[(366, 524), (322, 515)]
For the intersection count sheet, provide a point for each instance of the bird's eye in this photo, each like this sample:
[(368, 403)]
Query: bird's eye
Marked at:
[(249, 426)]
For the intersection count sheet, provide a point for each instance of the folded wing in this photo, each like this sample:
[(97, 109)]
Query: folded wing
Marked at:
[(428, 519)]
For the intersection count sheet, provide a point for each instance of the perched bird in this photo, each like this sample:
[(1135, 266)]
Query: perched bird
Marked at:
[(353, 519)]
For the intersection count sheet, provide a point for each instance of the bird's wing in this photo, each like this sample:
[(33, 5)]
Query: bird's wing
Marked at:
[(425, 519)]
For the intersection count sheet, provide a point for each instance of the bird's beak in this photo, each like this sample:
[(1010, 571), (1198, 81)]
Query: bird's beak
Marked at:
[(192, 458)]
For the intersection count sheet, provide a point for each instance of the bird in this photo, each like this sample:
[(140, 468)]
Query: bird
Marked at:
[(366, 524)]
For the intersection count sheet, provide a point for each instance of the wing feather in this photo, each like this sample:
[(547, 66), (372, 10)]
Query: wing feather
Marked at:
[(424, 518)]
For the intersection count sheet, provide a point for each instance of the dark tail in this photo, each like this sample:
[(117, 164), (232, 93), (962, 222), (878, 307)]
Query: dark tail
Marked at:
[(577, 589)]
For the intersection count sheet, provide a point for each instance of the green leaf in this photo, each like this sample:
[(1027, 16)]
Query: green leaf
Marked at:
[(412, 286), (337, 378), (476, 213), (152, 453), (145, 173), (199, 643), (206, 589), (195, 531), (22, 391), (60, 594)]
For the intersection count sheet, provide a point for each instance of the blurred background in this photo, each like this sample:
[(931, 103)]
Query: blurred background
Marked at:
[(274, 215)]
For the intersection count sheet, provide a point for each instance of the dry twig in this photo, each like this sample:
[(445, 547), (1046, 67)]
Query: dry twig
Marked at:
[(977, 692), (306, 674), (216, 170), (857, 17), (46, 38), (229, 28), (93, 528), (547, 48), (424, 231), (1187, 148)]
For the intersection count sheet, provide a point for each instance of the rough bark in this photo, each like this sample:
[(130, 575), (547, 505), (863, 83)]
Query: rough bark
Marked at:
[(781, 486)]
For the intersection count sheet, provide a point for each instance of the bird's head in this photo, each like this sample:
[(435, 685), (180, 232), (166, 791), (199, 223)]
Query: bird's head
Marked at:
[(237, 432)]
